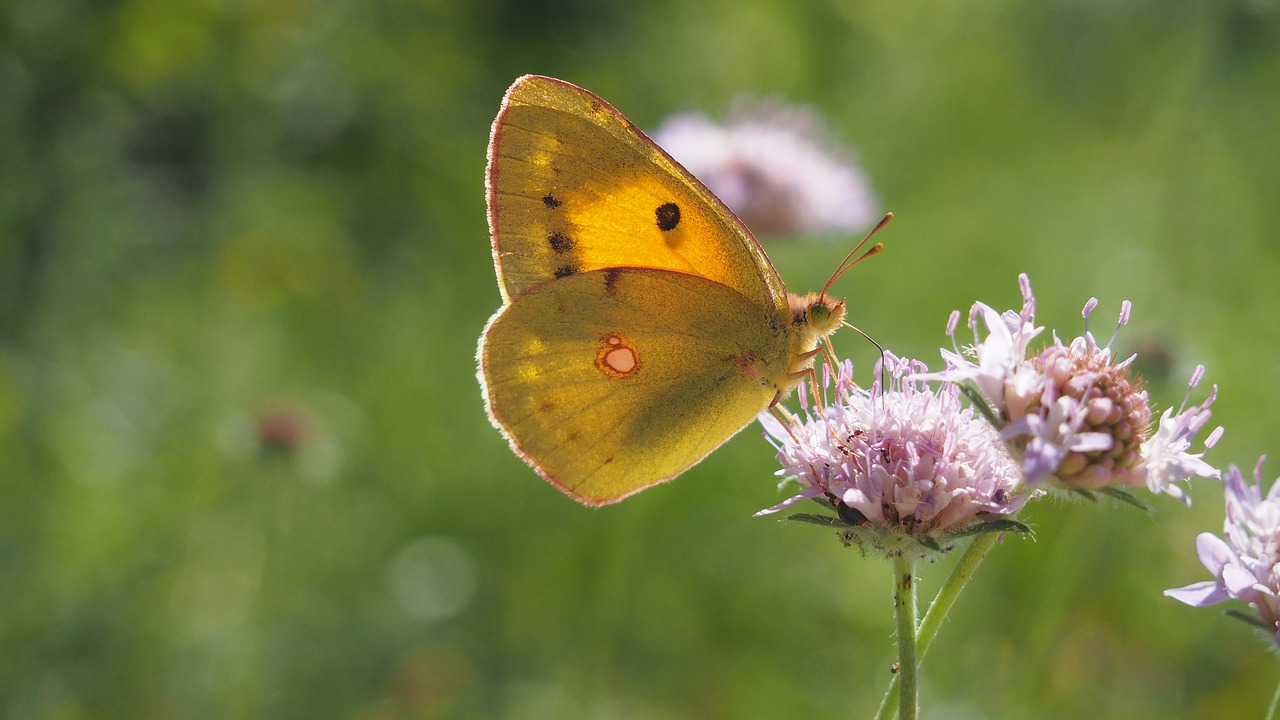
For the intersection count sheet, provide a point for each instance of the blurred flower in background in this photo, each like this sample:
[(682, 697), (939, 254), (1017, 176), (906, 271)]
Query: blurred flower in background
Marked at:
[(775, 167), (307, 436), (281, 429), (1245, 561)]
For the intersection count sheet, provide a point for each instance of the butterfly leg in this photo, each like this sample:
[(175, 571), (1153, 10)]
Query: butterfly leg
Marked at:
[(810, 373), (785, 419)]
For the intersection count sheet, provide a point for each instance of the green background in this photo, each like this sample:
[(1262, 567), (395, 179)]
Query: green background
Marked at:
[(245, 469)]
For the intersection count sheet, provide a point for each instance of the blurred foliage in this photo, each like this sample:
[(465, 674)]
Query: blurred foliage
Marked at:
[(243, 263)]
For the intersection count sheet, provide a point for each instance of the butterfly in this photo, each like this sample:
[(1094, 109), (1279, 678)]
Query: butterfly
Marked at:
[(641, 324)]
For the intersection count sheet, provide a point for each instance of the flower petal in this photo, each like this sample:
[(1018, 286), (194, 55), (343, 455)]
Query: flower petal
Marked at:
[(809, 492), (1201, 594), (1238, 581), (1213, 552)]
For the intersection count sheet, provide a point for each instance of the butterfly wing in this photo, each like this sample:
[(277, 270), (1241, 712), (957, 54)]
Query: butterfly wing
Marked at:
[(610, 381), (573, 186)]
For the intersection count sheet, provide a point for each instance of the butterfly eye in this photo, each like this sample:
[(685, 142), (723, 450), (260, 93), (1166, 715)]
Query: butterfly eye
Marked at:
[(825, 314)]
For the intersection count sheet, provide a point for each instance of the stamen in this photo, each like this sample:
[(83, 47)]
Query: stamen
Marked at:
[(1213, 437), (952, 323), (1196, 376), (1191, 385), (1028, 300), (1125, 307)]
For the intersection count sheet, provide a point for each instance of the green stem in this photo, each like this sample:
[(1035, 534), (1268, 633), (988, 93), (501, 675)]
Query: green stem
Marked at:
[(947, 596), (1275, 702), (938, 610), (904, 609)]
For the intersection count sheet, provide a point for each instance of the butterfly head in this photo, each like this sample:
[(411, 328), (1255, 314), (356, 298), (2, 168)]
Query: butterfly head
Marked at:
[(819, 314)]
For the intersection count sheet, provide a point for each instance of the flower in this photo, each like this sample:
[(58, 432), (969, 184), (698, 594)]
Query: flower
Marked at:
[(1072, 412), (1000, 357), (1088, 420), (908, 460), (1246, 565), (1165, 456), (775, 167)]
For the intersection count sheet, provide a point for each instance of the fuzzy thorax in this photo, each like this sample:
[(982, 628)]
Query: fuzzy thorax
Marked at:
[(813, 317)]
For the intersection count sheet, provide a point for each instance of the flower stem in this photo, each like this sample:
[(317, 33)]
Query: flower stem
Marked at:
[(946, 597), (938, 610), (1275, 702), (904, 609)]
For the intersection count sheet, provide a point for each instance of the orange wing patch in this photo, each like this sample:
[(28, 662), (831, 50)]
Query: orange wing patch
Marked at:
[(618, 358)]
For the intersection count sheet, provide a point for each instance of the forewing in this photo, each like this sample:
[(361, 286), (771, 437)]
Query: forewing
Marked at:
[(573, 186)]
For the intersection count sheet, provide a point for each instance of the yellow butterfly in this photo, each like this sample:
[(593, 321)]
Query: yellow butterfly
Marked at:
[(642, 325)]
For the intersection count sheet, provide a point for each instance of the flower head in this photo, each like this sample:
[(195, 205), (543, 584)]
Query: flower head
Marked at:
[(997, 363), (902, 465), (1073, 412), (1246, 564), (775, 167), (1086, 423)]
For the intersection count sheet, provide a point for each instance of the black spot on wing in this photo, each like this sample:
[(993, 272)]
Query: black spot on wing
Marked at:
[(551, 201), (610, 282), (668, 216), (566, 270), (560, 242)]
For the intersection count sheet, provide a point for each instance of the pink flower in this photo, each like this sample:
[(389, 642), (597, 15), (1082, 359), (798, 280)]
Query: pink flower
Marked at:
[(908, 460), (1166, 456), (996, 364), (1072, 412), (1246, 565)]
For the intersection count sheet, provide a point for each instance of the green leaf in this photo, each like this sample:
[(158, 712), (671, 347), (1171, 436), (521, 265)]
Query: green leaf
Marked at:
[(979, 401), (996, 525), (930, 542), (1125, 497), (1086, 494), (1252, 619), (813, 519)]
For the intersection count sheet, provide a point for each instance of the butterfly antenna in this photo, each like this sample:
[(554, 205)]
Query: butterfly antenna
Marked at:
[(849, 260)]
